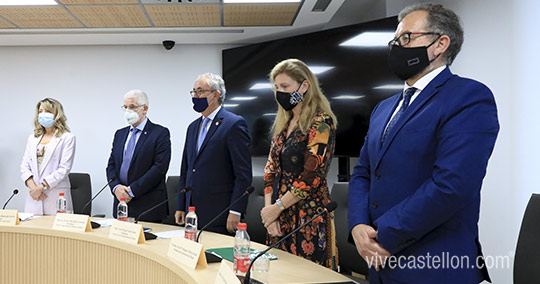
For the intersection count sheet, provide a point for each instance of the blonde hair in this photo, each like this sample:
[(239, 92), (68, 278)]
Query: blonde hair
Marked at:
[(314, 100), (55, 107)]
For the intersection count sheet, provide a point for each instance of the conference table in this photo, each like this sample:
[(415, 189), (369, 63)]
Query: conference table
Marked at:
[(33, 252)]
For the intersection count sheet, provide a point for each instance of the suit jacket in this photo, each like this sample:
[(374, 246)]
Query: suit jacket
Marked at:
[(146, 174), (219, 173), (55, 168), (420, 189)]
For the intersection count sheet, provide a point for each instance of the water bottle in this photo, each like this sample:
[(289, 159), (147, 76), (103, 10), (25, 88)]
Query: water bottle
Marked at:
[(61, 203), (241, 250), (122, 211), (191, 225)]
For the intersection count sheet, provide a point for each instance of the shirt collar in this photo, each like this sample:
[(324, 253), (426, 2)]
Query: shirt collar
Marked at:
[(213, 114), (421, 83), (140, 126)]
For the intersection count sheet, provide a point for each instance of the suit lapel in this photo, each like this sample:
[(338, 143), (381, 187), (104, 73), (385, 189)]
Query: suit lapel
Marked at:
[(425, 95), (218, 120), (380, 130), (48, 153)]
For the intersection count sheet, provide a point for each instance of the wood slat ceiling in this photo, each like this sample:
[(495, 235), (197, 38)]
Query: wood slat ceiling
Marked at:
[(259, 14), (184, 15), (132, 13), (111, 16), (39, 17)]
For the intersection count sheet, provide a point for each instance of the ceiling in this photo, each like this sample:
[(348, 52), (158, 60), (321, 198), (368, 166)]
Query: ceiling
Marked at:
[(105, 22)]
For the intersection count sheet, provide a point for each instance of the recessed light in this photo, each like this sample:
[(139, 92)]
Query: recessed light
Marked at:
[(320, 69), (348, 97), (390, 87), (258, 86), (367, 39), (242, 98), (230, 105)]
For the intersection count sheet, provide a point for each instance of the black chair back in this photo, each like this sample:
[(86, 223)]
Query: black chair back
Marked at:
[(527, 260), (255, 227), (172, 193), (81, 192), (349, 259)]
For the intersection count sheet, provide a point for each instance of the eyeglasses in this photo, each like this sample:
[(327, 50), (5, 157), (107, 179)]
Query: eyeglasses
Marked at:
[(405, 38), (199, 92), (131, 107)]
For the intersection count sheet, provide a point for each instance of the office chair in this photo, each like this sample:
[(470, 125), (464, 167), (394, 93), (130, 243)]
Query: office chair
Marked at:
[(172, 194), (255, 228), (81, 192), (527, 259)]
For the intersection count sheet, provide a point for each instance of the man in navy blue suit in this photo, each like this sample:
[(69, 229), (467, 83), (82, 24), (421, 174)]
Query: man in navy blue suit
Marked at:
[(139, 161), (414, 197), (216, 162)]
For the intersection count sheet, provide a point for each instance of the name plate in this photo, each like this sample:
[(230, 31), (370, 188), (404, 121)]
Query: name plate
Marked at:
[(9, 218), (72, 222), (127, 232), (226, 275), (187, 252)]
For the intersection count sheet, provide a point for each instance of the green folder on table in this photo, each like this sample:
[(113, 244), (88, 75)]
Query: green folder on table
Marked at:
[(227, 253)]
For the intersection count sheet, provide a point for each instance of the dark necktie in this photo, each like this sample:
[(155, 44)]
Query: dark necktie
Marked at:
[(406, 100), (203, 133), (128, 154)]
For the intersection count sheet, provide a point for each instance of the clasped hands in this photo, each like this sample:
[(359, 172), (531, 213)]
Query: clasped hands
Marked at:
[(122, 191), (269, 215), (365, 240), (36, 192)]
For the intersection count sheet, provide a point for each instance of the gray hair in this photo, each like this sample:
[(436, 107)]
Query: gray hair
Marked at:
[(440, 20), (141, 96), (215, 82)]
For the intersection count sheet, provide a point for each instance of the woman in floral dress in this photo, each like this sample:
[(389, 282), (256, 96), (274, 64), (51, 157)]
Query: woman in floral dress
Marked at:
[(299, 159)]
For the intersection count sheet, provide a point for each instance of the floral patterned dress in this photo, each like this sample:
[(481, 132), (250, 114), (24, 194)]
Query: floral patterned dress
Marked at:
[(299, 164)]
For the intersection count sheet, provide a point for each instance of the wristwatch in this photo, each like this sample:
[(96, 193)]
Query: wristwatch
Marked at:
[(45, 187), (280, 205)]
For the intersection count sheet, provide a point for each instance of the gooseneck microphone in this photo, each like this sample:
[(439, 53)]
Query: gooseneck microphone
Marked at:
[(15, 191), (89, 202), (148, 235), (248, 191), (327, 209)]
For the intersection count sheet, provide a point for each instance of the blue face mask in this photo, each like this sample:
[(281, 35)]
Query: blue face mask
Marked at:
[(46, 119), (200, 104)]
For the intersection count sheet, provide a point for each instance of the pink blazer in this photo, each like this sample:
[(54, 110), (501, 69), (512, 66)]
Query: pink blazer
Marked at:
[(55, 169)]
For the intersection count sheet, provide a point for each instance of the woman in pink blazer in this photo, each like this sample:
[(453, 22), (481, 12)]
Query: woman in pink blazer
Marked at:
[(48, 159)]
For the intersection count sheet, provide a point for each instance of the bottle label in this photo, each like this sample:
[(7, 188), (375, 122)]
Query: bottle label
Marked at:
[(61, 211), (241, 264), (125, 219), (190, 235)]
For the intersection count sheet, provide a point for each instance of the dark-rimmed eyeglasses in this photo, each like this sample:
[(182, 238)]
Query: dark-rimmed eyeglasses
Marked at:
[(131, 107), (405, 38), (199, 92)]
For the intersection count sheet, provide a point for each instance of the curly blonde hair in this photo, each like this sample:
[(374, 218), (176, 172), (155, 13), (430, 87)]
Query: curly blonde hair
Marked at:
[(60, 121), (314, 99)]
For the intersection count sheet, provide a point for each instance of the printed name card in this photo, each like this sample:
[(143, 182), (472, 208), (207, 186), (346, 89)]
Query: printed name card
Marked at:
[(187, 252), (127, 232), (72, 222), (226, 275), (9, 218)]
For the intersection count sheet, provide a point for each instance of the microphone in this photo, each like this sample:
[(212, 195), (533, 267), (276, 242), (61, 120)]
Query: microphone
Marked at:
[(15, 191), (148, 235), (89, 202), (327, 209), (248, 191)]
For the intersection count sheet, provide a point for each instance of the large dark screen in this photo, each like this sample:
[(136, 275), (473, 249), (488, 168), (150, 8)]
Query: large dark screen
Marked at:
[(357, 80)]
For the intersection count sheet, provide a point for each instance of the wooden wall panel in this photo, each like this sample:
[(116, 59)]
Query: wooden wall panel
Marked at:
[(5, 25), (68, 2)]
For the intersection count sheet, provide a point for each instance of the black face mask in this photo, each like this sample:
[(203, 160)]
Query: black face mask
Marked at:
[(407, 62), (289, 100)]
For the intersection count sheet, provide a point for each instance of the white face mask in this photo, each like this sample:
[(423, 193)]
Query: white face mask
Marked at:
[(131, 117)]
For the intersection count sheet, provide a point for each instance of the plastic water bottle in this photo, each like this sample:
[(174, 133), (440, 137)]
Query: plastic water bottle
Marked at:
[(241, 250), (122, 211), (61, 203), (190, 232)]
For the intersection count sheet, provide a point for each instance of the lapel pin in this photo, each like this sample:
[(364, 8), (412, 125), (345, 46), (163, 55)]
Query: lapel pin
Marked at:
[(217, 123), (145, 133)]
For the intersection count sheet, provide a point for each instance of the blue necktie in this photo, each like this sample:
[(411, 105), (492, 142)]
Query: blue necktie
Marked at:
[(128, 154), (203, 133), (406, 99)]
